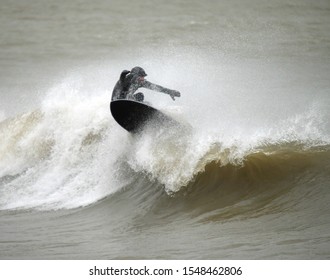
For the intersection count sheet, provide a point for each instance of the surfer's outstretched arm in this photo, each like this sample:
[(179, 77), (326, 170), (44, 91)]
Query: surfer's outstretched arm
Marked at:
[(172, 93)]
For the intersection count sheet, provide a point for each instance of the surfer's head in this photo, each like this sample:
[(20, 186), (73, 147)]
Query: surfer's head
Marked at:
[(139, 71)]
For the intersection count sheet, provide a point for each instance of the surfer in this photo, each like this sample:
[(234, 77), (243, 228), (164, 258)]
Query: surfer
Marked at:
[(130, 81)]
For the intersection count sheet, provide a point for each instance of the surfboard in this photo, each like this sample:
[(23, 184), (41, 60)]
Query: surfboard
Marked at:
[(133, 115)]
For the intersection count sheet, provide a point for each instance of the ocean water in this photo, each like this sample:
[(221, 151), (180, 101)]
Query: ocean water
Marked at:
[(247, 178)]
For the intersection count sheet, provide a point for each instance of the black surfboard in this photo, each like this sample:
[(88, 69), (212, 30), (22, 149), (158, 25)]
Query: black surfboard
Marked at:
[(133, 115)]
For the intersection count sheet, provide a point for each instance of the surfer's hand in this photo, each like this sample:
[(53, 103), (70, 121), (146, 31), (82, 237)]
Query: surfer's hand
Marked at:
[(174, 93)]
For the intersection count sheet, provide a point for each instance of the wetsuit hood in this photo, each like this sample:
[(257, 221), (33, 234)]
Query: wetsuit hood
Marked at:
[(139, 71)]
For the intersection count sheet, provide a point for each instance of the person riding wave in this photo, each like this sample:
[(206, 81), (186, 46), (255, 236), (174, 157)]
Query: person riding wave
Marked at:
[(130, 81)]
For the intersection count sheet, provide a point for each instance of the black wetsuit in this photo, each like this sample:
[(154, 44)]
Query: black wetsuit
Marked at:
[(130, 82)]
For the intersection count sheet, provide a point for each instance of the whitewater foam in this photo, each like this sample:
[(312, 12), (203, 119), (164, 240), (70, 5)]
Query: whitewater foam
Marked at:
[(58, 156)]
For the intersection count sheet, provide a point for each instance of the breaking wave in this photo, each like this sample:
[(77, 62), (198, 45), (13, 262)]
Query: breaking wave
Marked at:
[(70, 153)]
